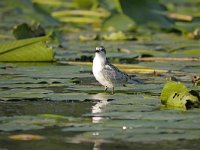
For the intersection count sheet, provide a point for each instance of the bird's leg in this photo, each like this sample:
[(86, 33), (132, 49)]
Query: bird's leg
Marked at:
[(113, 90), (106, 88)]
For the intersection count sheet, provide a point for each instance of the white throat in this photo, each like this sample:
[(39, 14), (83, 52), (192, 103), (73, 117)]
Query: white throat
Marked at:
[(99, 61)]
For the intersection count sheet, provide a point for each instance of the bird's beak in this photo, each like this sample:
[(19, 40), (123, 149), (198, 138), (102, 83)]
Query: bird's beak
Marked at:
[(96, 51)]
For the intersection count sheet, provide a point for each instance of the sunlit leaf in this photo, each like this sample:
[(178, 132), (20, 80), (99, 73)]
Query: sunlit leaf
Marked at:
[(26, 137), (89, 37), (55, 116), (114, 36), (34, 49), (171, 88), (181, 100), (176, 95), (119, 22)]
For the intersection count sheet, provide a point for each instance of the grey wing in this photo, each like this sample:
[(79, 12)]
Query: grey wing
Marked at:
[(113, 74)]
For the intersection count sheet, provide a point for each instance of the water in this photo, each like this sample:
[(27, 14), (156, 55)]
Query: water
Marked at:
[(70, 110)]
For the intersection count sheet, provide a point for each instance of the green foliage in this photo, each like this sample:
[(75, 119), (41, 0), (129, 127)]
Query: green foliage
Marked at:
[(116, 36), (117, 15), (170, 89), (119, 22), (27, 11), (176, 95), (33, 49), (129, 13), (24, 31), (145, 12), (113, 5)]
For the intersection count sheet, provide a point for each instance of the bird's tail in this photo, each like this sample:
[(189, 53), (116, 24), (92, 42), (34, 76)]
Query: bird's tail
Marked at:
[(134, 80)]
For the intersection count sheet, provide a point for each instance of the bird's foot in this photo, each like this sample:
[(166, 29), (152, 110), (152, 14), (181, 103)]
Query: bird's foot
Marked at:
[(106, 89), (113, 91)]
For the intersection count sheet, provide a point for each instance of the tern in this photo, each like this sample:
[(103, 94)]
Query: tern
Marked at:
[(107, 74)]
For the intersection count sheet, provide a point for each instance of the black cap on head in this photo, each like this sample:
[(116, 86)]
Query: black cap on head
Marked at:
[(100, 49)]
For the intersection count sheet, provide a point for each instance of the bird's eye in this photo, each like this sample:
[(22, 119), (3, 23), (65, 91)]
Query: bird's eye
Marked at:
[(101, 49)]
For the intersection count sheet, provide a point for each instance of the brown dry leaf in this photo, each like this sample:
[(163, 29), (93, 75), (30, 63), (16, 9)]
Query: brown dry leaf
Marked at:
[(180, 17), (26, 137)]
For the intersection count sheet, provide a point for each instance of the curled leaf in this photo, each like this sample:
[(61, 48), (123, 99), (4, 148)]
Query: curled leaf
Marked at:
[(26, 137), (176, 95)]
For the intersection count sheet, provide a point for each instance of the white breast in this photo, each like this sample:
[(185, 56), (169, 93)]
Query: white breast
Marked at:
[(98, 65)]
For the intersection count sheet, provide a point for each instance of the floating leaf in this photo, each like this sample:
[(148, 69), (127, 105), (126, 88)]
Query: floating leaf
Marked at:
[(65, 13), (25, 10), (54, 116), (145, 11), (33, 49), (24, 31), (114, 36), (119, 22), (176, 95), (81, 16), (181, 100), (88, 37), (171, 88), (113, 5), (26, 137)]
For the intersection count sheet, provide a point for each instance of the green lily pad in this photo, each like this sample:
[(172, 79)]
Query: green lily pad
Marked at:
[(180, 100), (25, 10), (176, 95), (170, 88), (33, 49), (24, 123), (119, 22), (24, 31), (115, 36), (145, 11)]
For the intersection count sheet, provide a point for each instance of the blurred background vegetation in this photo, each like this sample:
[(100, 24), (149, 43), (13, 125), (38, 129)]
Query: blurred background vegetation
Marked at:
[(138, 17)]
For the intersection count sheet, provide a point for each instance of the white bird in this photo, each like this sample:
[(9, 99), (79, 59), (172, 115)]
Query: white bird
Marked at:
[(107, 74)]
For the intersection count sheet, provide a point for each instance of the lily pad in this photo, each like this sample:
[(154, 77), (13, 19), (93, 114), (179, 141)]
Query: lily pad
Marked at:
[(26, 137), (33, 49), (176, 95), (24, 123), (145, 11), (25, 10), (24, 31), (119, 22), (116, 36)]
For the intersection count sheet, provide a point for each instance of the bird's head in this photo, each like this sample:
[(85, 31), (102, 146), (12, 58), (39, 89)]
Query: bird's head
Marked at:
[(100, 50)]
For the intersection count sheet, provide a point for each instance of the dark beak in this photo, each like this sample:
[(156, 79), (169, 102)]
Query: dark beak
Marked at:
[(96, 51)]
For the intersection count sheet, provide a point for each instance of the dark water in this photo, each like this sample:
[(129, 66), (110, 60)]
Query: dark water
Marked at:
[(55, 138)]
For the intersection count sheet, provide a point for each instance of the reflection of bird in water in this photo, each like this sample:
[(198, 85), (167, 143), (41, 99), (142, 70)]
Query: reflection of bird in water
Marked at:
[(107, 74), (103, 100)]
